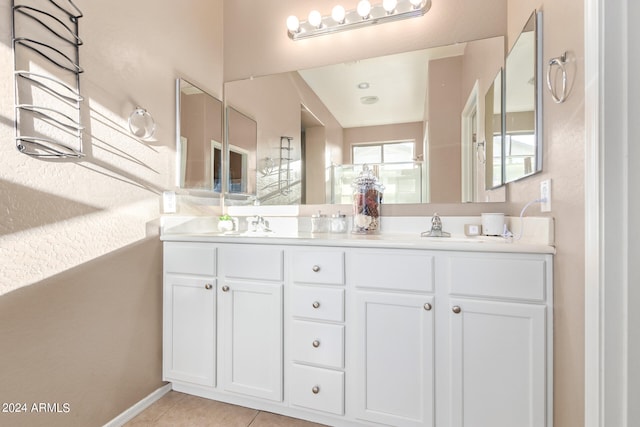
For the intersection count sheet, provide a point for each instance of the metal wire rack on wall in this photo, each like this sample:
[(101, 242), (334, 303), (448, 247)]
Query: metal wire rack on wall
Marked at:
[(46, 54)]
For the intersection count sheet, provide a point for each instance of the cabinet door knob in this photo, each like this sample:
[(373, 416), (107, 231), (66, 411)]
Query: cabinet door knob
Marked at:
[(316, 343), (456, 309), (427, 306), (316, 268), (225, 288), (316, 304), (315, 389), (208, 286)]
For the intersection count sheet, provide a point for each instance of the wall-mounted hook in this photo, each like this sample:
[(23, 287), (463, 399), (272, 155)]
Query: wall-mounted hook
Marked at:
[(558, 97)]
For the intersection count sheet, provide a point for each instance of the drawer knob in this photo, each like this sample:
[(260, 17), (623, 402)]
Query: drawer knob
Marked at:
[(316, 343), (208, 286), (456, 309), (427, 306), (316, 304), (225, 288), (315, 268), (315, 389)]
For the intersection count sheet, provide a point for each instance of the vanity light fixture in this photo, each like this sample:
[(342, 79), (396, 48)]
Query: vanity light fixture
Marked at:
[(364, 14)]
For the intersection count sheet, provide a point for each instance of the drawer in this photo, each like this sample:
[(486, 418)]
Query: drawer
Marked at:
[(189, 258), (252, 262), (508, 277), (318, 343), (318, 303), (317, 388), (317, 266), (391, 269)]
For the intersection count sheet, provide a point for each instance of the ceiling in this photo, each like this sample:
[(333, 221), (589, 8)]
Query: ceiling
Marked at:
[(399, 82)]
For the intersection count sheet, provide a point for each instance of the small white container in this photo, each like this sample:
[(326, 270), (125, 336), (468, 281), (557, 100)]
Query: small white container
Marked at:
[(319, 223), (492, 224), (339, 223)]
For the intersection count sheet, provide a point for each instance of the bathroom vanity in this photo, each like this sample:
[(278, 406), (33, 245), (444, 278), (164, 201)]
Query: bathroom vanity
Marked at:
[(362, 330)]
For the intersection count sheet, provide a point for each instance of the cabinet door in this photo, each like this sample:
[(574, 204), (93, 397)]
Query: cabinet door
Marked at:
[(498, 373), (395, 359), (189, 330), (251, 324)]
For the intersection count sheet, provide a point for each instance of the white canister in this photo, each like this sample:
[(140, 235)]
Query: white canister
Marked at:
[(492, 224)]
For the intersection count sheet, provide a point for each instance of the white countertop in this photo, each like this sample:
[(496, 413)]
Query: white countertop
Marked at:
[(398, 232), (398, 241)]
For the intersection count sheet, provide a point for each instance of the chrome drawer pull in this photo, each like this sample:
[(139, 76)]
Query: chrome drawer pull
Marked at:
[(208, 286), (315, 389), (316, 343), (225, 288), (456, 309), (315, 268), (427, 306), (316, 304)]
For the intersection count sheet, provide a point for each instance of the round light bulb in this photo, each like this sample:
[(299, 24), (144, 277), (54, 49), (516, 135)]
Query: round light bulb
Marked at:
[(389, 5), (363, 9), (293, 24), (315, 19), (416, 3), (338, 14)]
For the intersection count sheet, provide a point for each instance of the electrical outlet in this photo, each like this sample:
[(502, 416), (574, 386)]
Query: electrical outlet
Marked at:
[(545, 194), (169, 202)]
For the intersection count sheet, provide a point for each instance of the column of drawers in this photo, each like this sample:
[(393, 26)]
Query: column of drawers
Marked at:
[(317, 330)]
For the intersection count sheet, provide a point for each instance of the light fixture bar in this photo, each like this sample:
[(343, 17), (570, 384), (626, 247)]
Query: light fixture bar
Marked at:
[(378, 15)]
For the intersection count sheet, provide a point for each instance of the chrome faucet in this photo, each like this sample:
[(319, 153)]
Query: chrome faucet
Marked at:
[(436, 228), (258, 223)]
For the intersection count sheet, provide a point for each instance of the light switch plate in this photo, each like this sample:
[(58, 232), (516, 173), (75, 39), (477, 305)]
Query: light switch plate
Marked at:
[(545, 194), (169, 202)]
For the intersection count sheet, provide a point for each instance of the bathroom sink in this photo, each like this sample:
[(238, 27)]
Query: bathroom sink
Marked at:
[(453, 239), (465, 239), (258, 233)]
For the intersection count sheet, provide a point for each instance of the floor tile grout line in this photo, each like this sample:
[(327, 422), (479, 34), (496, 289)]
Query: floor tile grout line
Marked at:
[(254, 418)]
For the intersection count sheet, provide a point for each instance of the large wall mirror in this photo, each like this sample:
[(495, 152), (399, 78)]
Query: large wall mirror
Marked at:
[(199, 134), (523, 101), (402, 113)]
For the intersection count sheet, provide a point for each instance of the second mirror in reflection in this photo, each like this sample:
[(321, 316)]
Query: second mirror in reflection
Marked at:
[(200, 138)]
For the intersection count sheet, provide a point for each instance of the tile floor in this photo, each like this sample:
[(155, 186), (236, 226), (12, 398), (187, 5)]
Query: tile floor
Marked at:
[(182, 410)]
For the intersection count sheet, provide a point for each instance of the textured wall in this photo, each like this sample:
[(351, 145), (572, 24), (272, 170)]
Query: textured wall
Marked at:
[(80, 261)]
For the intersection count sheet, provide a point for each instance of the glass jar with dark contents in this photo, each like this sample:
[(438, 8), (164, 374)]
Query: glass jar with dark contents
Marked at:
[(367, 197)]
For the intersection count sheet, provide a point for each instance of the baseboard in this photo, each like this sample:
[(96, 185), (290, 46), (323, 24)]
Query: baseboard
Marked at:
[(131, 413)]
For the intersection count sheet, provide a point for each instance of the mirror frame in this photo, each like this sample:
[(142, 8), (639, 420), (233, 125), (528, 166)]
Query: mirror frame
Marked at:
[(536, 16)]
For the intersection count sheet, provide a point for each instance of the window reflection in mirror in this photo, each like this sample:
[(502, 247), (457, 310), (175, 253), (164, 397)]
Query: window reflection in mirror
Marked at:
[(522, 105), (199, 138), (242, 134)]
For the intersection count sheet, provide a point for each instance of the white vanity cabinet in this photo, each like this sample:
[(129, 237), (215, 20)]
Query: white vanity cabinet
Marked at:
[(189, 330), (394, 339), (360, 333), (500, 322), (250, 298), (317, 330)]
